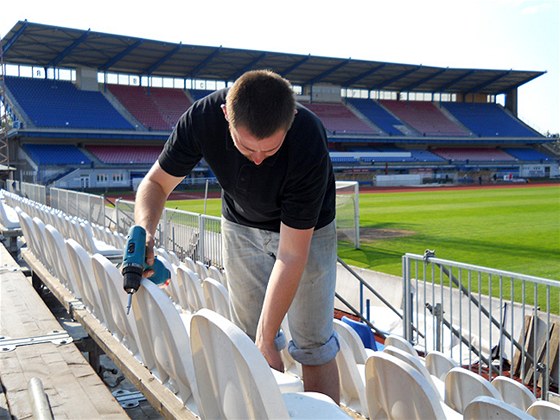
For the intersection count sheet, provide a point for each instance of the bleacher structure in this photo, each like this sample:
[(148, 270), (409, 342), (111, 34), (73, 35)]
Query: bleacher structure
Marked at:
[(180, 348), (92, 110)]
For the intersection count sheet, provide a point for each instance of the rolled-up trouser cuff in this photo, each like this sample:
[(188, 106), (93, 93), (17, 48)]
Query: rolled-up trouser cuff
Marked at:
[(280, 341), (318, 355)]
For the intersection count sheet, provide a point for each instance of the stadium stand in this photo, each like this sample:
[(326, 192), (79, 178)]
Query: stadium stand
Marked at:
[(339, 119), (420, 155), (528, 155), (473, 154), (365, 136), (377, 115), (488, 120), (125, 154), (56, 103), (171, 103), (56, 154), (155, 108), (424, 117)]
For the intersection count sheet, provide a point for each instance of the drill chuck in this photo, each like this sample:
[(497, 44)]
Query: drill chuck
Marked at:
[(132, 275), (134, 263)]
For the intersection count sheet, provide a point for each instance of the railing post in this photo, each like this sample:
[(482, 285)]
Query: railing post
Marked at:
[(163, 231), (438, 313), (201, 235), (117, 221), (406, 302)]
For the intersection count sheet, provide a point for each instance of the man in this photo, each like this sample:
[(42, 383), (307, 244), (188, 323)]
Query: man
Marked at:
[(278, 208)]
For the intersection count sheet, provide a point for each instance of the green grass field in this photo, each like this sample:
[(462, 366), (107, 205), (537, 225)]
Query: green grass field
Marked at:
[(512, 229)]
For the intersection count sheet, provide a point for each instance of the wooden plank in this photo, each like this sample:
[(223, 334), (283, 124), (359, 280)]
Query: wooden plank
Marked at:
[(554, 341), (523, 338), (159, 396), (73, 388)]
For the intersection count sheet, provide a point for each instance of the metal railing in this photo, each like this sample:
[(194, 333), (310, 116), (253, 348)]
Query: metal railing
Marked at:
[(83, 205), (34, 192), (187, 234), (495, 321)]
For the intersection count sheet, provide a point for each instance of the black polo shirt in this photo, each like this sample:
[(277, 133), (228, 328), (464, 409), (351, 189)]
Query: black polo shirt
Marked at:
[(295, 185)]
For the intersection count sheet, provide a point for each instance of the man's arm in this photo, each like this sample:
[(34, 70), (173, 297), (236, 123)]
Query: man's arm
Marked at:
[(150, 200), (293, 250)]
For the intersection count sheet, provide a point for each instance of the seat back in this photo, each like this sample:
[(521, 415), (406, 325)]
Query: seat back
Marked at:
[(216, 274), (216, 297), (28, 231), (387, 378), (414, 362), (161, 323), (352, 381), (43, 251), (80, 261), (57, 245), (180, 286), (193, 287), (363, 331), (542, 410), (201, 269), (352, 339), (489, 408), (513, 392), (234, 380), (438, 364), (462, 386), (114, 298), (401, 343), (102, 287)]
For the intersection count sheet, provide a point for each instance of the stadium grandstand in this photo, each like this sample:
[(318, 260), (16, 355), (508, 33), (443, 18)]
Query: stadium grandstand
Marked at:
[(83, 110), (89, 110)]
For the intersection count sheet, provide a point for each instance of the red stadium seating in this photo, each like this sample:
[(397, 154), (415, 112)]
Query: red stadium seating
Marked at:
[(425, 118), (156, 108), (125, 154), (339, 119)]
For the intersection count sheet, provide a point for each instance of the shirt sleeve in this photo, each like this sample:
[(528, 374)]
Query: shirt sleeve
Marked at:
[(182, 150)]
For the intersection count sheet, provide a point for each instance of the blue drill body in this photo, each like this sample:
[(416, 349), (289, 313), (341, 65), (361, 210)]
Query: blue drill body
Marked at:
[(134, 263)]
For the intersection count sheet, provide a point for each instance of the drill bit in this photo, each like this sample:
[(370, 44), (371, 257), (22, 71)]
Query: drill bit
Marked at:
[(129, 304)]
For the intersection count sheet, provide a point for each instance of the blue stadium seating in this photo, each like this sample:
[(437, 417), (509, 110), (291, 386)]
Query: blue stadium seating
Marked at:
[(526, 154), (56, 154), (488, 120), (420, 155), (377, 115), (59, 104)]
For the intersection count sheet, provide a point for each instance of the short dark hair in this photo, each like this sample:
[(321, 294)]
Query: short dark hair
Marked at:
[(262, 102)]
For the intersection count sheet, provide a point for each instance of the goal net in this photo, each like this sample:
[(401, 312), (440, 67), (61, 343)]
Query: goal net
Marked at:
[(348, 213)]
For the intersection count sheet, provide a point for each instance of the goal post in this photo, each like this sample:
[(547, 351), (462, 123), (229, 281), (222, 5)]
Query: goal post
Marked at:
[(348, 212)]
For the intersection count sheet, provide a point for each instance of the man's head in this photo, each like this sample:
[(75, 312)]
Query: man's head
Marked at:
[(260, 108)]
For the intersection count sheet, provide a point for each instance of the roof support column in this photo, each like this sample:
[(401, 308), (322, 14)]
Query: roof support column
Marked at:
[(511, 101)]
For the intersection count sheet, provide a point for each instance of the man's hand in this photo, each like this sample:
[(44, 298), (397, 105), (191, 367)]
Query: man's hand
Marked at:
[(270, 353), (150, 255)]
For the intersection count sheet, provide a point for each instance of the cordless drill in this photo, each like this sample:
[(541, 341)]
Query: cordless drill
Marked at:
[(134, 264)]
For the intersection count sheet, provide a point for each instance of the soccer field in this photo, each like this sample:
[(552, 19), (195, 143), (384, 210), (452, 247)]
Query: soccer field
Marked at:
[(512, 229)]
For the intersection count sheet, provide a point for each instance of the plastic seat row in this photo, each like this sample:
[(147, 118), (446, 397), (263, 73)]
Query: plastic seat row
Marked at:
[(440, 376), (91, 237), (157, 333), (467, 395)]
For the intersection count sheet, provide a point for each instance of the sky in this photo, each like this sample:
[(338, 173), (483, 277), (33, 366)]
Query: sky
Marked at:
[(487, 34)]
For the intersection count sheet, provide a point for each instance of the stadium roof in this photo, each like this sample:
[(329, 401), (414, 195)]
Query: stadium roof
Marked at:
[(48, 46)]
